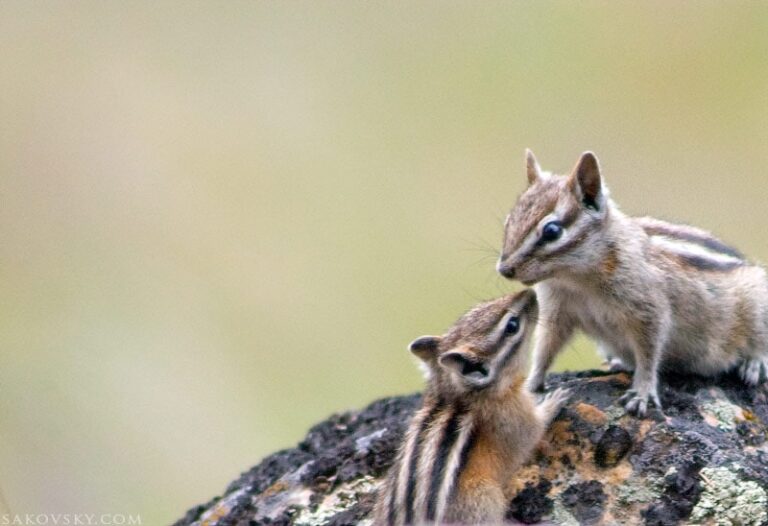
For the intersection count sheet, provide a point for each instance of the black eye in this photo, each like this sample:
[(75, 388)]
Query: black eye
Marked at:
[(552, 231), (513, 325)]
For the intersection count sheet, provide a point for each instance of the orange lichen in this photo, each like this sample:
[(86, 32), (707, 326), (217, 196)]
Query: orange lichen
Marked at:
[(748, 415), (591, 414), (560, 432), (218, 513), (275, 488), (622, 377)]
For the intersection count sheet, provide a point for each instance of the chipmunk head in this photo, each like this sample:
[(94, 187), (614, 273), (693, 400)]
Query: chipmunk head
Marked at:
[(555, 225), (482, 347)]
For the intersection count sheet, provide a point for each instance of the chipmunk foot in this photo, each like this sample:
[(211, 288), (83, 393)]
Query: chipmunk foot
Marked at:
[(637, 404), (753, 371)]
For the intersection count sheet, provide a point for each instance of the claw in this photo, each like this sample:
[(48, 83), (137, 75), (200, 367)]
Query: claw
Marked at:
[(558, 397), (637, 405), (626, 397), (656, 401)]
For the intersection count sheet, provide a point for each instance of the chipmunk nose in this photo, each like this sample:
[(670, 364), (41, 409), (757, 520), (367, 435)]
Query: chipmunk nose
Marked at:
[(505, 269)]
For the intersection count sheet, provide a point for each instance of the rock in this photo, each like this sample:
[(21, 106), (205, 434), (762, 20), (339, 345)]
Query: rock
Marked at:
[(703, 461), (531, 504), (585, 501), (612, 446)]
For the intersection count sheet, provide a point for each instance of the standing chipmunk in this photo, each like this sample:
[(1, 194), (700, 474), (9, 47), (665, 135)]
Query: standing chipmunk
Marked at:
[(477, 425), (653, 294)]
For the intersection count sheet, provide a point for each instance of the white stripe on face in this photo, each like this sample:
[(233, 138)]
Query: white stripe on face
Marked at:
[(532, 239)]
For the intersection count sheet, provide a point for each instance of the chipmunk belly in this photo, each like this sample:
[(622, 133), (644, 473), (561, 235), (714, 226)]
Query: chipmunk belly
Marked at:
[(605, 322)]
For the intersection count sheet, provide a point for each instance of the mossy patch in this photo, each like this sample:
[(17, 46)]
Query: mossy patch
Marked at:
[(562, 517), (721, 413), (638, 491), (727, 500), (344, 498)]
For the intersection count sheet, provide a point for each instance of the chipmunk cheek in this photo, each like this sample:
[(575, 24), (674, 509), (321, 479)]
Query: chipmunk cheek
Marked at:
[(528, 276)]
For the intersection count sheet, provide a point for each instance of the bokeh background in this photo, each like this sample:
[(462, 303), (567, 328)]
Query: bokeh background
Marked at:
[(222, 221)]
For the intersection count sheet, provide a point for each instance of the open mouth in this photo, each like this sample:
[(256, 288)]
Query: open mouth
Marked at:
[(474, 370)]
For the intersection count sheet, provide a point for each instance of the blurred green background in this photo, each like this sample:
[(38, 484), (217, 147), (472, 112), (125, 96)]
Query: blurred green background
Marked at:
[(222, 221)]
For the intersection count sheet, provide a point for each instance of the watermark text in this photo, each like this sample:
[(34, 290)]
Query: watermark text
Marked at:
[(70, 519)]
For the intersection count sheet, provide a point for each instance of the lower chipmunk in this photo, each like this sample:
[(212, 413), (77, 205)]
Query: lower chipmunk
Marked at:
[(478, 424)]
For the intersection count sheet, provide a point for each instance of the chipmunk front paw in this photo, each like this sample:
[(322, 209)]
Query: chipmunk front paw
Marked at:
[(637, 404), (550, 404), (557, 398)]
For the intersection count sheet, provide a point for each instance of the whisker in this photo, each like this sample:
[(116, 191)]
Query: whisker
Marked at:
[(481, 245)]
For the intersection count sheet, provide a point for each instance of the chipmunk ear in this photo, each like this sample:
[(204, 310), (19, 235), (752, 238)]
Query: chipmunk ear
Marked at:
[(466, 364), (532, 167), (425, 347), (587, 180)]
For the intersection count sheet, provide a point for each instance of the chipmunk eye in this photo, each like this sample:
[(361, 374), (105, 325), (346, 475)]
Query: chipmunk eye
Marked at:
[(513, 325), (552, 231)]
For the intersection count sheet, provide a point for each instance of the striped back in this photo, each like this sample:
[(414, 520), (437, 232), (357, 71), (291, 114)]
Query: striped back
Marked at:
[(686, 233), (692, 246), (425, 477)]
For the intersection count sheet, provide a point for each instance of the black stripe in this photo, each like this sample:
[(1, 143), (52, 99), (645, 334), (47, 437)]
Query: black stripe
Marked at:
[(565, 223), (569, 245), (450, 434), (703, 263), (703, 240), (570, 216), (715, 244), (463, 459), (391, 507), (412, 463)]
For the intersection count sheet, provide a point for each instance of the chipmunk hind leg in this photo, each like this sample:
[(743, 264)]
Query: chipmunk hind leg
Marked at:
[(749, 335)]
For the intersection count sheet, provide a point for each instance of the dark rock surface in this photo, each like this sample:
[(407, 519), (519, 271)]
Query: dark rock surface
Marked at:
[(703, 461)]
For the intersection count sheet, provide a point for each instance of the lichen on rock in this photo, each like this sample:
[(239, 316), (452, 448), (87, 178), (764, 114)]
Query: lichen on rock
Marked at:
[(720, 412), (728, 500)]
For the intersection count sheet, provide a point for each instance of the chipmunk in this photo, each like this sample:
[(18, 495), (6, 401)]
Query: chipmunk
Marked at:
[(653, 294), (477, 424)]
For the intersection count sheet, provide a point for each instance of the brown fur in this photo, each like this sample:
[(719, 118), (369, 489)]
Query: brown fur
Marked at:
[(609, 263), (478, 415)]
